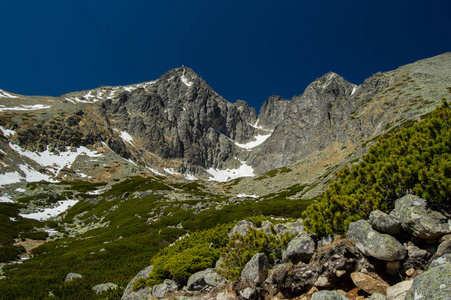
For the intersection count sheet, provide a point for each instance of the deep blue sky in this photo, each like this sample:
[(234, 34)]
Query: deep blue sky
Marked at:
[(245, 50)]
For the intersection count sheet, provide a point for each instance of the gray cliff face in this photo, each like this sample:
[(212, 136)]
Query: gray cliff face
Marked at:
[(324, 104), (179, 122), (272, 112), (181, 117)]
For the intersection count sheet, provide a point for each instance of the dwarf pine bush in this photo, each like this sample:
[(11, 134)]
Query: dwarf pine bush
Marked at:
[(413, 160)]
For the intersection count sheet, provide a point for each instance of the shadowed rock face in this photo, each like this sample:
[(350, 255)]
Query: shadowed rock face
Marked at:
[(180, 116)]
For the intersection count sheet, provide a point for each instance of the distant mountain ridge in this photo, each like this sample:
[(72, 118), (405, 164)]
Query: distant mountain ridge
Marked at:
[(179, 126)]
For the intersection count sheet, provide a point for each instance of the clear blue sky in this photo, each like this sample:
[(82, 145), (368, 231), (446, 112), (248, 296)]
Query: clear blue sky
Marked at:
[(245, 50)]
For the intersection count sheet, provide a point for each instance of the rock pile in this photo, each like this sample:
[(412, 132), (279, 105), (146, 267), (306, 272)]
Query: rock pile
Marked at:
[(402, 255)]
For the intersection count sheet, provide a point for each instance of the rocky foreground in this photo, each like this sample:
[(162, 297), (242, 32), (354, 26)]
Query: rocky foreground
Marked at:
[(402, 255)]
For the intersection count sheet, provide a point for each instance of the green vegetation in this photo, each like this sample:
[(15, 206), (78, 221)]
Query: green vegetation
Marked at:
[(193, 253), (273, 173), (240, 249), (414, 159)]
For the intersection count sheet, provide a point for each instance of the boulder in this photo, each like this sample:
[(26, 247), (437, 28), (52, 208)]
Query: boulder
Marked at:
[(293, 281), (167, 286), (399, 291), (226, 296), (144, 274), (101, 288), (369, 284), (247, 293), (435, 283), (444, 248), (241, 228), (301, 248), (204, 278), (256, 270), (290, 227), (375, 244), (418, 220), (440, 261), (72, 276), (377, 296), (384, 223), (328, 295)]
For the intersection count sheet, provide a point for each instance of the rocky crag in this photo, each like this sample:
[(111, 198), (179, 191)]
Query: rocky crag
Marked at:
[(402, 255), (178, 126)]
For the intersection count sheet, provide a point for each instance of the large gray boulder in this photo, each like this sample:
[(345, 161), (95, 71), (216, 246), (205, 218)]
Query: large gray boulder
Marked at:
[(101, 288), (384, 223), (435, 283), (256, 270), (241, 228), (328, 295), (418, 220), (204, 278), (129, 294), (375, 244), (301, 248), (168, 286)]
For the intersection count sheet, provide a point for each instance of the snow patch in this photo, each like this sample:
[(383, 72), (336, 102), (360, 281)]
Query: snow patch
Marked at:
[(5, 199), (7, 133), (171, 171), (185, 80), (4, 94), (225, 175), (155, 172), (31, 175), (25, 107), (190, 177), (126, 137), (50, 212), (55, 162), (259, 139), (247, 196), (9, 178), (353, 90), (20, 190)]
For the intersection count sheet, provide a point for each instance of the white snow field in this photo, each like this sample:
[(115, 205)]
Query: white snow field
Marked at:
[(50, 212), (229, 174)]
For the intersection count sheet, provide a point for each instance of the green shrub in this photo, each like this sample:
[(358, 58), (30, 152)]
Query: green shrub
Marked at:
[(189, 255), (241, 249), (10, 253), (413, 160)]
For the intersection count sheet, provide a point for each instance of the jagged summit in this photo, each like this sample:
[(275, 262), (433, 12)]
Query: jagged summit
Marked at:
[(178, 125)]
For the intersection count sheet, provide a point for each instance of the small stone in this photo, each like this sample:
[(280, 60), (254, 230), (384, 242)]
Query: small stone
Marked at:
[(369, 284), (410, 272), (328, 295), (247, 293), (399, 291), (72, 276), (101, 288)]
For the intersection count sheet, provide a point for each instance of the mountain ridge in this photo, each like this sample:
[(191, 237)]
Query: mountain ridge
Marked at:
[(179, 123)]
